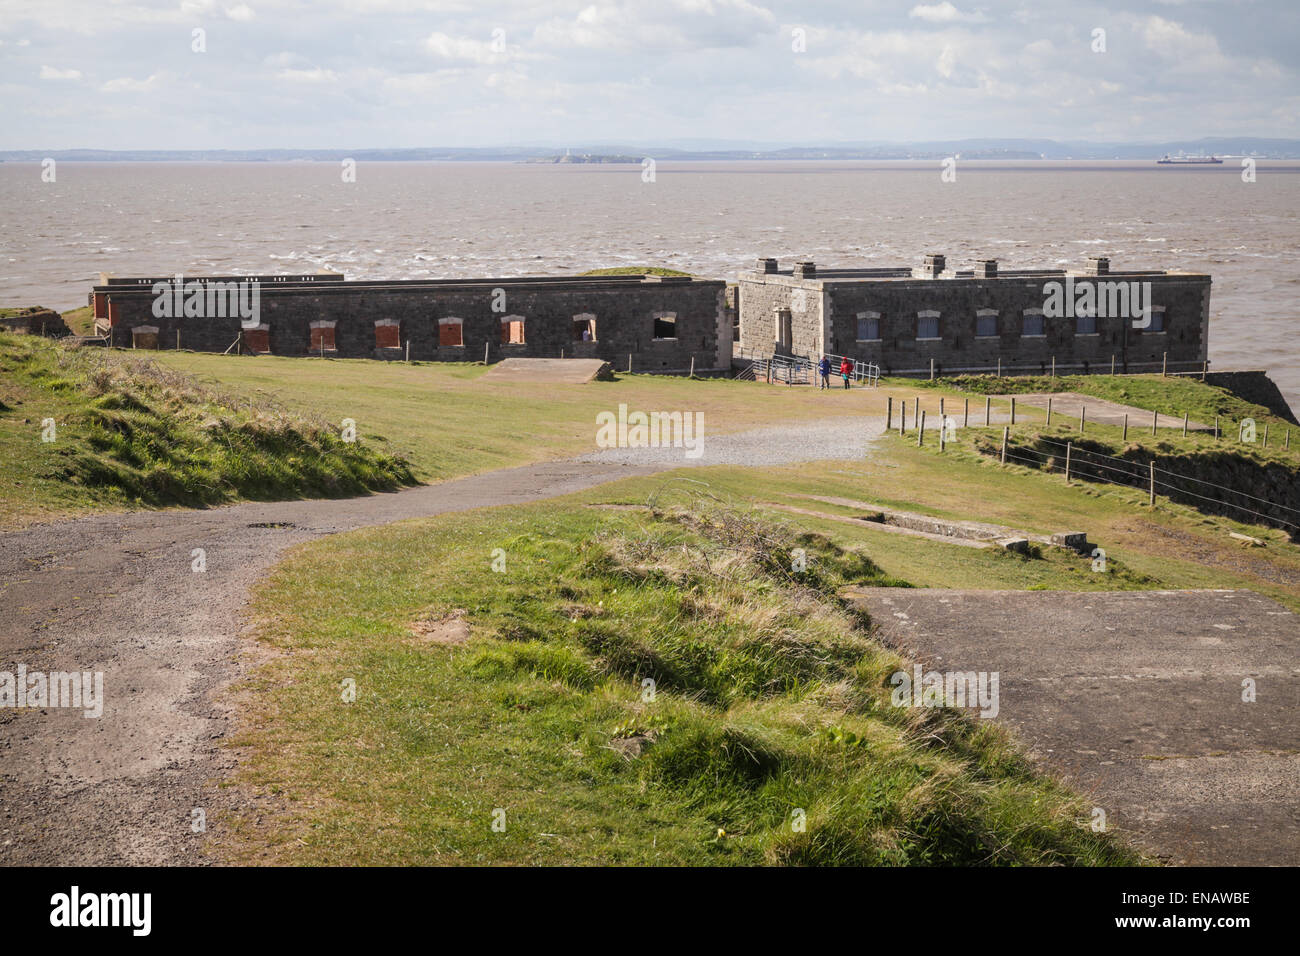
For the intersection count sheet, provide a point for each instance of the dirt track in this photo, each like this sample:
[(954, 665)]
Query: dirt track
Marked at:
[(117, 594)]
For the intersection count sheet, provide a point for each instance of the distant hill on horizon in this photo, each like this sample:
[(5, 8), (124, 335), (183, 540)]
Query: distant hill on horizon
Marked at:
[(981, 149)]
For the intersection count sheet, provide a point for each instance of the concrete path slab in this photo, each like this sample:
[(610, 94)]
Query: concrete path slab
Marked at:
[(1067, 405), (1136, 698), (555, 371)]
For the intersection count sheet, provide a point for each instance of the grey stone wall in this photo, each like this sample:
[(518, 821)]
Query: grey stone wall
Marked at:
[(957, 299), (624, 307)]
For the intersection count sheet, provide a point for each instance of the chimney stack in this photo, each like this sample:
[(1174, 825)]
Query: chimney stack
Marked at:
[(1097, 265), (805, 269), (986, 268), (934, 265), (767, 266)]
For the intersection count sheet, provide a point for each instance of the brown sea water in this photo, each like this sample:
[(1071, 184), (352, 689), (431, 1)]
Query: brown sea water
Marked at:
[(411, 220)]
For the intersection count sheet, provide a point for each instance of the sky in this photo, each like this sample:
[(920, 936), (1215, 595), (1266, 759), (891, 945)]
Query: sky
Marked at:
[(249, 74)]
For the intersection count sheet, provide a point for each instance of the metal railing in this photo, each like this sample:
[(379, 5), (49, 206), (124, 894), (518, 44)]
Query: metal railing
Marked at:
[(801, 369)]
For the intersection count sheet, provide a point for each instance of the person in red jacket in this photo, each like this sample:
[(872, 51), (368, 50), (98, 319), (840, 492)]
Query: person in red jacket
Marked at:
[(846, 369)]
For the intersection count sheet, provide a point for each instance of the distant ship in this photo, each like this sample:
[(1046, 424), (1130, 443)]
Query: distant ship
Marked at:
[(1167, 160)]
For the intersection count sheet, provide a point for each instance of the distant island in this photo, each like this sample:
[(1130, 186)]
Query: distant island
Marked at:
[(699, 151), (586, 158)]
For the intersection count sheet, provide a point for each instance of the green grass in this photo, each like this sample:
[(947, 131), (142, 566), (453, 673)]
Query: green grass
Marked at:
[(770, 703), (129, 432), (1172, 395), (444, 419), (634, 271), (1171, 546), (81, 321), (450, 421)]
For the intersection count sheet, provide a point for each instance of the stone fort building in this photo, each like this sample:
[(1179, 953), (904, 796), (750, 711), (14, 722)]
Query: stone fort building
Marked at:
[(902, 319), (666, 324)]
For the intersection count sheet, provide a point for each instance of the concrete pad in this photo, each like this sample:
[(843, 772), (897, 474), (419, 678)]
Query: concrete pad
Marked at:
[(1135, 697), (556, 371), (1067, 405)]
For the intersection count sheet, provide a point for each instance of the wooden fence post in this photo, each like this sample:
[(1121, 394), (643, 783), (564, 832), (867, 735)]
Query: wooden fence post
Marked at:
[(1067, 462), (920, 431), (1013, 409), (965, 419), (1049, 410), (486, 346), (692, 366), (902, 418), (941, 408), (769, 366), (1112, 364), (1083, 415), (932, 370), (1153, 483), (1005, 430), (1126, 426), (1185, 424), (1155, 418), (1266, 434), (1216, 427), (1053, 366), (988, 410), (943, 432), (1164, 363), (889, 412)]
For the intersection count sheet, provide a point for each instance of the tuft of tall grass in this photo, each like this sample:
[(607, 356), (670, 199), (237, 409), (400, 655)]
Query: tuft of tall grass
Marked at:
[(158, 436)]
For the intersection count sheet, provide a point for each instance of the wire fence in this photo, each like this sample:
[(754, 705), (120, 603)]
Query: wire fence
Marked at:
[(1088, 464)]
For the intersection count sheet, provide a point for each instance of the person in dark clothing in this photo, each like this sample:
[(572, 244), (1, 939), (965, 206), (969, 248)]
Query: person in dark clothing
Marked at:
[(824, 369), (846, 369)]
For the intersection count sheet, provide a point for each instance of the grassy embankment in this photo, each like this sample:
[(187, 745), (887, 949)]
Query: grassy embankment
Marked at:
[(449, 421), (771, 697), (131, 432), (770, 736), (81, 321), (443, 419), (635, 271)]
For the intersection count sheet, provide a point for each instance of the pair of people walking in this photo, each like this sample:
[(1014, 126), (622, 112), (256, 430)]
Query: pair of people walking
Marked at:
[(824, 369)]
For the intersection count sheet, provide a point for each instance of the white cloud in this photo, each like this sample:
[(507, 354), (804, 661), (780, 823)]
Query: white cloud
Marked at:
[(1173, 41), (464, 49), (50, 73), (944, 13), (313, 75), (241, 12), (947, 60), (126, 84)]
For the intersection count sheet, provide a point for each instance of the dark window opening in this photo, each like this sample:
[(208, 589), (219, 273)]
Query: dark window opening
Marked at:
[(666, 326), (584, 330)]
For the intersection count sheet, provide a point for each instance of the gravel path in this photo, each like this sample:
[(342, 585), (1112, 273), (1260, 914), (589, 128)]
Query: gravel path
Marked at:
[(118, 594), (840, 438)]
